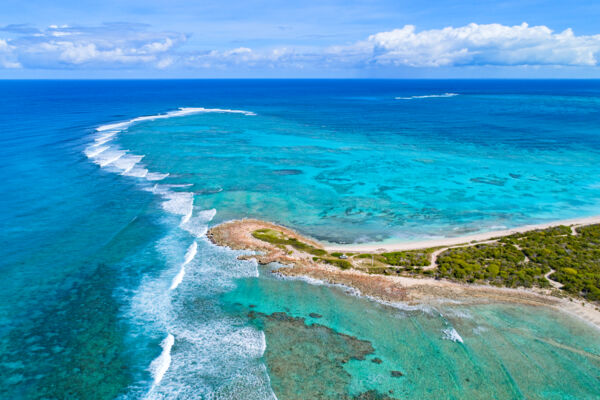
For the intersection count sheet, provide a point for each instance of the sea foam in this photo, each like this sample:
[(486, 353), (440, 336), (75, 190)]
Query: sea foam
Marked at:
[(180, 203), (349, 290), (196, 370), (198, 225), (95, 150), (181, 112), (108, 157), (126, 162), (129, 164), (428, 96), (156, 308), (136, 172), (155, 176), (161, 364), (178, 278), (189, 256), (190, 253), (452, 334)]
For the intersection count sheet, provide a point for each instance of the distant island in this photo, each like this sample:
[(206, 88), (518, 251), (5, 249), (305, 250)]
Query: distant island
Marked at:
[(551, 265)]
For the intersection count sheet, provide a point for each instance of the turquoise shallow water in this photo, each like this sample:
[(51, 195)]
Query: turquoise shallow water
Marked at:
[(111, 289), (445, 351), (349, 180)]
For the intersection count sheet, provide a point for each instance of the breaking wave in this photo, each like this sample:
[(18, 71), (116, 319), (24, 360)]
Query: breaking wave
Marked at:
[(161, 364), (452, 334), (428, 96), (216, 356)]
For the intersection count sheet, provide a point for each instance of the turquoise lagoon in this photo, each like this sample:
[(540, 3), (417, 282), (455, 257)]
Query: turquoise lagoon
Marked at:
[(111, 289)]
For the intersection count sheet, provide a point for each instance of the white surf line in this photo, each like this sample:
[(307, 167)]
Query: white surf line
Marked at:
[(161, 364), (108, 132), (352, 291), (451, 334), (428, 96), (186, 217), (111, 160), (181, 112), (95, 150), (189, 256), (179, 203)]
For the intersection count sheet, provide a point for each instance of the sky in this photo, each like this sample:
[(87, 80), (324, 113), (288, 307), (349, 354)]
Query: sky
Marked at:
[(299, 39)]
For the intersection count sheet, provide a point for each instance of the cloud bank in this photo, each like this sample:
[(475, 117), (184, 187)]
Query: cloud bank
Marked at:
[(120, 45), (107, 46), (491, 44)]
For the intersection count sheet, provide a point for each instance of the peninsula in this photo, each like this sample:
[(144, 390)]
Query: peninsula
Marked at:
[(553, 265)]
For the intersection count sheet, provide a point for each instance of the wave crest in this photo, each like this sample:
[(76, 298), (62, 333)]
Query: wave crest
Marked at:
[(161, 364), (428, 96)]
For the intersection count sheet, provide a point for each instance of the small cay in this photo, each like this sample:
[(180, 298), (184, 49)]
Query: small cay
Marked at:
[(553, 266)]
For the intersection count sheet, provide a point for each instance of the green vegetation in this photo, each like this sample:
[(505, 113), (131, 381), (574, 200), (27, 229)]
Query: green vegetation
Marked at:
[(522, 260), (518, 260), (575, 258), (278, 238), (496, 263), (342, 264), (366, 255), (409, 258)]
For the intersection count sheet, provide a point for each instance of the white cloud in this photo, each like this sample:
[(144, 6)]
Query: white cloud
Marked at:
[(243, 57), (134, 45), (164, 62), (491, 44), (473, 44), (105, 46), (222, 59), (158, 47), (7, 59)]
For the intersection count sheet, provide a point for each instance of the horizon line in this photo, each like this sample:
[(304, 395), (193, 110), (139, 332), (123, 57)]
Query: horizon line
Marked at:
[(299, 78)]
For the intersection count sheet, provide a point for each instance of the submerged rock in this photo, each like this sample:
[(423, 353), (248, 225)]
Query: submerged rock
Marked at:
[(307, 361), (489, 181), (373, 395), (286, 172)]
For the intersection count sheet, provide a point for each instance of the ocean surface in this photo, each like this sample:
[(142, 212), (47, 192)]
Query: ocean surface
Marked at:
[(110, 289)]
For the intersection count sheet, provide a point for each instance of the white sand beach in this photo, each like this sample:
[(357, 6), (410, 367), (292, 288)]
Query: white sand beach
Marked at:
[(453, 241)]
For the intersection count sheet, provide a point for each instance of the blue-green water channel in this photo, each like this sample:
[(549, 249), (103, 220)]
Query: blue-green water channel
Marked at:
[(111, 290)]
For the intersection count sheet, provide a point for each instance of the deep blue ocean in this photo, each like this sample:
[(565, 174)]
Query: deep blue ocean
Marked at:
[(111, 290)]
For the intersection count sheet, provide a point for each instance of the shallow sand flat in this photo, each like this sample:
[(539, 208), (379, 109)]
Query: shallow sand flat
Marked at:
[(452, 241), (394, 289)]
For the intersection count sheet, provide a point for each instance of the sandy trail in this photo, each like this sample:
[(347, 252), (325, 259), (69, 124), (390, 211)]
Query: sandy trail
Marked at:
[(555, 284), (435, 254)]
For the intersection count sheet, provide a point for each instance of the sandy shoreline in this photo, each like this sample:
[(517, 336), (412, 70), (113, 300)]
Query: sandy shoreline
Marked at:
[(393, 289), (452, 241)]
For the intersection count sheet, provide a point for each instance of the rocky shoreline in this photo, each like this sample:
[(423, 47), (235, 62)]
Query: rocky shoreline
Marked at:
[(240, 235)]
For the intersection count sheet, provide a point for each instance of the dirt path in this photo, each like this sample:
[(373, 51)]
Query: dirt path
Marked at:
[(574, 229), (555, 284), (435, 254)]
